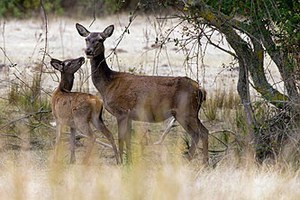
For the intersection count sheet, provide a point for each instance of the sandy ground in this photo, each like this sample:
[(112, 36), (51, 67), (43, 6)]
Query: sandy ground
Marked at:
[(24, 42)]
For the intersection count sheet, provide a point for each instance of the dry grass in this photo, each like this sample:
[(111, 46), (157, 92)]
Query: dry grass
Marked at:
[(157, 171), (24, 178)]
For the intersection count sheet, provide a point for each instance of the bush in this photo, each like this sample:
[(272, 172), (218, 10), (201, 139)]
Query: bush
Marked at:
[(28, 8)]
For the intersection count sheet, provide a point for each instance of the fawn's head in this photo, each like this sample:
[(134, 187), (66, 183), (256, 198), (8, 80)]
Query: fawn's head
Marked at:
[(94, 40), (67, 69), (69, 66)]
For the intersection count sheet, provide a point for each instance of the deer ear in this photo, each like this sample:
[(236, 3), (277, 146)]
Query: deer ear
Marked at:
[(108, 31), (82, 30), (57, 64)]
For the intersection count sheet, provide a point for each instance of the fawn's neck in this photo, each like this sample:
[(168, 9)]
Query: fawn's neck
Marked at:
[(66, 82)]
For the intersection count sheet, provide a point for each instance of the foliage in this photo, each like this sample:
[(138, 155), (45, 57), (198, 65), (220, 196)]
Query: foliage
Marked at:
[(112, 6), (27, 8), (279, 16)]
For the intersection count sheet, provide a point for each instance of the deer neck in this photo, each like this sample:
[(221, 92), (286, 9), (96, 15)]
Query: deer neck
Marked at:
[(101, 73), (66, 83)]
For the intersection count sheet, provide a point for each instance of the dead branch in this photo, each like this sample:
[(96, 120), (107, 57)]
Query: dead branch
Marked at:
[(97, 141), (25, 117)]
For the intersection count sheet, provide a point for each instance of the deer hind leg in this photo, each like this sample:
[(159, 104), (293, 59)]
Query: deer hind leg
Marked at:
[(85, 128), (204, 137), (124, 126), (57, 141), (99, 124), (196, 130), (72, 145), (128, 141)]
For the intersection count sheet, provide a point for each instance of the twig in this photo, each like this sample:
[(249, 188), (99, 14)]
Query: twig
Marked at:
[(3, 37), (24, 117), (10, 135), (94, 14), (4, 52), (46, 31), (97, 141)]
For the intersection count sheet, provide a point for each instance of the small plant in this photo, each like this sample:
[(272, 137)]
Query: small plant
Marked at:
[(28, 97), (220, 100), (27, 8), (29, 110), (211, 108)]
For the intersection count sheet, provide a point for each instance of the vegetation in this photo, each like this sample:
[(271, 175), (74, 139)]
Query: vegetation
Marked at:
[(27, 8), (74, 8), (254, 30), (266, 123)]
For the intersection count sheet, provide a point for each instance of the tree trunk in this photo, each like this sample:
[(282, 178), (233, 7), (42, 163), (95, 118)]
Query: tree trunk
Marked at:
[(243, 51)]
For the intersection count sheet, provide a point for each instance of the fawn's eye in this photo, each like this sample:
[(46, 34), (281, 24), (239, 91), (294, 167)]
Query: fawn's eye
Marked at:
[(65, 64)]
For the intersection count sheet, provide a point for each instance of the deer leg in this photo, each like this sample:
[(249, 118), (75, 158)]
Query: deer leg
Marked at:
[(91, 142), (72, 145), (85, 128), (99, 124), (57, 141), (204, 137), (163, 136), (196, 130), (128, 141), (122, 132)]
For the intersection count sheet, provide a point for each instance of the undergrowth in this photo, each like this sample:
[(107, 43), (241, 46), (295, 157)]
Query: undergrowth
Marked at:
[(156, 172)]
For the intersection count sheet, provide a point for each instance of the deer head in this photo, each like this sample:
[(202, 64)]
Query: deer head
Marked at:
[(67, 69), (94, 40), (69, 66)]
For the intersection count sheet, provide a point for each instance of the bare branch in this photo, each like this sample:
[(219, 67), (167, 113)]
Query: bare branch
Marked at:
[(25, 117)]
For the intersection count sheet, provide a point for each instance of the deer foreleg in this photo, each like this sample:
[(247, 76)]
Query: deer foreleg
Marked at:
[(57, 141), (72, 145), (123, 127)]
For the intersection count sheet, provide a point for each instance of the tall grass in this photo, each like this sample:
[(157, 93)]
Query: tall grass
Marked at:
[(175, 179), (156, 172), (221, 99), (25, 116)]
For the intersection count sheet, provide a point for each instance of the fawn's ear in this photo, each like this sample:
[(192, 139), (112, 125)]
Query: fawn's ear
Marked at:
[(82, 30), (108, 31), (57, 64)]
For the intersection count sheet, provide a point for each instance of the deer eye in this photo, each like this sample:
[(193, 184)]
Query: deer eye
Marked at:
[(65, 64)]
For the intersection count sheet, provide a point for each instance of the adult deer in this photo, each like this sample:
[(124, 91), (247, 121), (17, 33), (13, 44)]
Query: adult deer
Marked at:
[(77, 110), (144, 98)]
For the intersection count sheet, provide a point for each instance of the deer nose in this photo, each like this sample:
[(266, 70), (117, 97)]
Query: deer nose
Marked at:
[(88, 51)]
